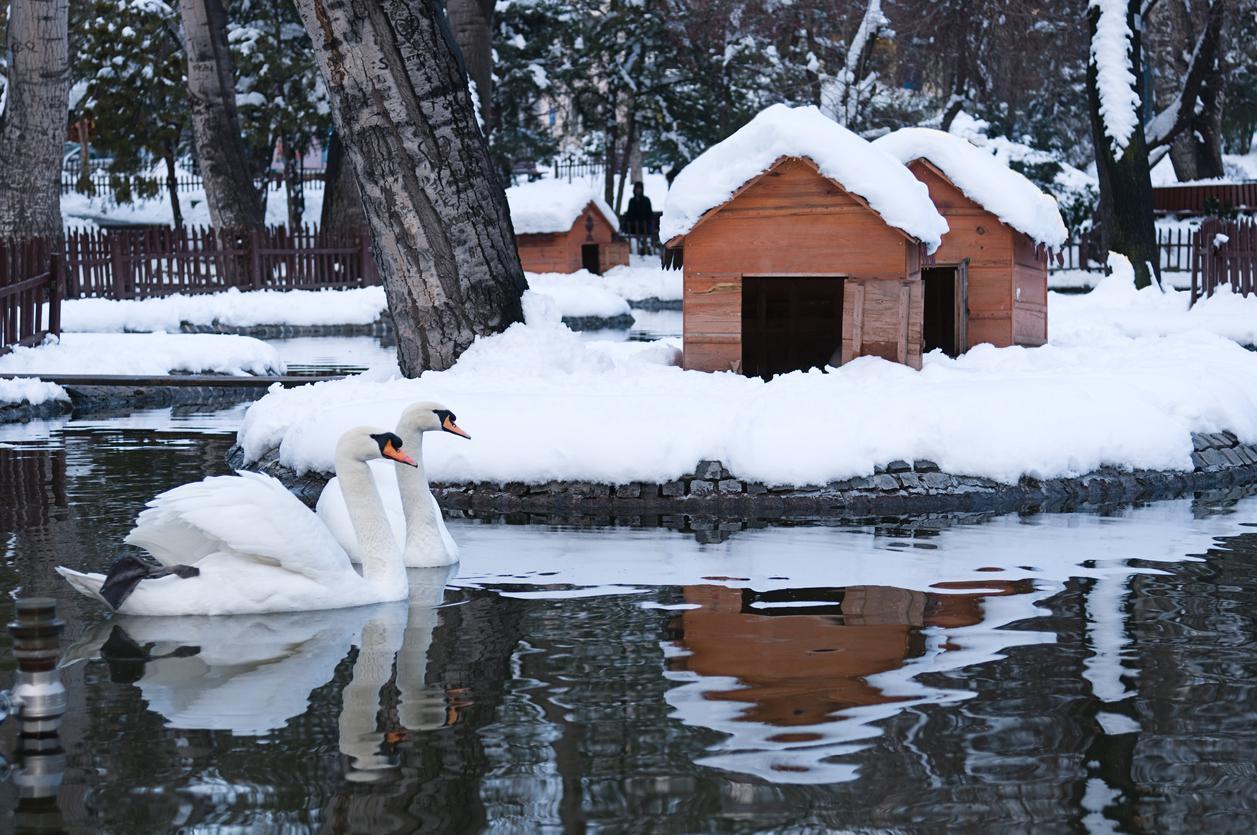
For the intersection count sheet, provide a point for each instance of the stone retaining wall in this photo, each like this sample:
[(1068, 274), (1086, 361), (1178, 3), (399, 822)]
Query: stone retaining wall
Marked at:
[(381, 328), (122, 400), (898, 488)]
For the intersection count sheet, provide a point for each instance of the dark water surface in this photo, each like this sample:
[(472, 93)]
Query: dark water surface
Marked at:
[(1047, 673)]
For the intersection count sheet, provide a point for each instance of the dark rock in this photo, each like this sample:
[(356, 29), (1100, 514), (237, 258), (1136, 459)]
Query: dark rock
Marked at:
[(898, 466), (711, 470), (699, 487), (628, 491), (1233, 457), (755, 488), (1214, 459), (729, 485), (1200, 442), (911, 481), (672, 488), (924, 465), (1198, 460), (937, 481), (885, 483)]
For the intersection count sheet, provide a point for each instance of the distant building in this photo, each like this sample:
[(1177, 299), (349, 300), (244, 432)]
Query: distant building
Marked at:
[(563, 227)]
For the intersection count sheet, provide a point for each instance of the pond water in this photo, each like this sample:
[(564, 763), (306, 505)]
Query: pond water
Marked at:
[(1051, 672)]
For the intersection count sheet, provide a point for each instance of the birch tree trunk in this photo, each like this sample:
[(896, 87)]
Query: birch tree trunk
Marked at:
[(233, 201), (33, 124), (471, 21), (440, 227), (1126, 219)]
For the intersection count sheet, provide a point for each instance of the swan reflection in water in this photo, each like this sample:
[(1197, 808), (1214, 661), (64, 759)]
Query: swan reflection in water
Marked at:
[(250, 675)]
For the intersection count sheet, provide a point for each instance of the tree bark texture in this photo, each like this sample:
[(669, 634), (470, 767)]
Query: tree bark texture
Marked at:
[(471, 22), (233, 200), (33, 124), (342, 204), (440, 227), (1126, 219)]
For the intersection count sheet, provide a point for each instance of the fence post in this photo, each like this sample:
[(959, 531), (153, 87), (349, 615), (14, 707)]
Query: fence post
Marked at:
[(255, 257), (117, 263), (56, 283)]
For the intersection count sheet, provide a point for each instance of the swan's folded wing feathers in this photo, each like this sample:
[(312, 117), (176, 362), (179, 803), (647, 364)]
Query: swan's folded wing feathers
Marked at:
[(254, 516)]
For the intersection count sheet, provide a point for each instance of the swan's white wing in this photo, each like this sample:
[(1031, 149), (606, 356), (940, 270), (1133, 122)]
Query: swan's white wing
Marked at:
[(334, 513), (249, 514)]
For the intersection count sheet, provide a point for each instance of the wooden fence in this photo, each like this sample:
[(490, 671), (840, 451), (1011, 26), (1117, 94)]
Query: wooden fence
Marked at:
[(103, 182), (1088, 254), (142, 263), (1204, 198), (31, 275), (1225, 253)]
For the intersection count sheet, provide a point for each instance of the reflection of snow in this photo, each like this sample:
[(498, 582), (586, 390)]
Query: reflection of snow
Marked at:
[(1005, 568)]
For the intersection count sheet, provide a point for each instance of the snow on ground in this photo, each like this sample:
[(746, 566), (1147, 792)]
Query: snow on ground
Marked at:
[(983, 178), (357, 306), (543, 404), (1085, 280), (890, 189), (551, 206), (144, 353), (578, 295), (32, 392), (643, 279), (81, 211), (1115, 306)]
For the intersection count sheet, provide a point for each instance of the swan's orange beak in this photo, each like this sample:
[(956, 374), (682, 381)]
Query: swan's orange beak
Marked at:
[(396, 454), (450, 426)]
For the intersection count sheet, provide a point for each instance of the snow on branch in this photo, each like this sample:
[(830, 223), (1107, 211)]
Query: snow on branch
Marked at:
[(844, 92), (1115, 79)]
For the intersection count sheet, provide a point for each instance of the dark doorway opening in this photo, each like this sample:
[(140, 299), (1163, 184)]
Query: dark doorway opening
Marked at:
[(946, 309), (790, 324), (589, 258)]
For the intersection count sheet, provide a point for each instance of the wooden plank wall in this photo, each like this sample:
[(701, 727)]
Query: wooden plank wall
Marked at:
[(882, 319), (793, 221), (712, 321), (1030, 313), (561, 253)]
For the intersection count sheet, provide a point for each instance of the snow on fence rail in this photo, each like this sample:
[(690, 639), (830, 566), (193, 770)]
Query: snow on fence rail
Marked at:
[(1225, 253), (31, 275), (1088, 253), (142, 263)]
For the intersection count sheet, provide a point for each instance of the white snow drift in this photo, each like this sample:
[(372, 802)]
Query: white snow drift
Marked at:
[(781, 131), (144, 353), (31, 392), (983, 179)]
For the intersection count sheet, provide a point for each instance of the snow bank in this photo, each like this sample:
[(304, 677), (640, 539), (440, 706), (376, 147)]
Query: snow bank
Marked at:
[(984, 179), (1115, 306), (578, 295), (1115, 80), (144, 353), (542, 404), (889, 188), (359, 306), (549, 206), (33, 392), (637, 281), (1086, 280)]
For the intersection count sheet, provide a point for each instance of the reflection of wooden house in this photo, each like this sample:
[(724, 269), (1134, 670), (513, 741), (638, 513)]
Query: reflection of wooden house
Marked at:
[(796, 665), (988, 280), (563, 227), (802, 246)]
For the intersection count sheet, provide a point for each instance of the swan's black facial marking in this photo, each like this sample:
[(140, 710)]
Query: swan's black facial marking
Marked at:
[(449, 422), (384, 439)]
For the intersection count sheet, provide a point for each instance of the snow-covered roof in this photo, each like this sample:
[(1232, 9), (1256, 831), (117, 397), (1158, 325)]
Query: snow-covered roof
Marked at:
[(985, 180), (549, 206), (780, 131)]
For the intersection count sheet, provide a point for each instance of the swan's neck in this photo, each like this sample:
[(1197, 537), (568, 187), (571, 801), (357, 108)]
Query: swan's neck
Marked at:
[(417, 504), (382, 564)]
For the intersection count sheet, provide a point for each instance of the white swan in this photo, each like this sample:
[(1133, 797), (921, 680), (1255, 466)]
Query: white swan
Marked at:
[(243, 544), (413, 512)]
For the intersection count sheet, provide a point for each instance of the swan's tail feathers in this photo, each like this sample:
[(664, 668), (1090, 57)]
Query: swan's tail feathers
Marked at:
[(86, 584), (127, 573)]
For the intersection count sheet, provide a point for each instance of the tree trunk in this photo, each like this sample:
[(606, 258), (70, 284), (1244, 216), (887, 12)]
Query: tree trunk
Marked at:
[(1126, 220), (172, 183), (294, 185), (233, 201), (471, 22), (33, 124), (440, 227), (342, 203)]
